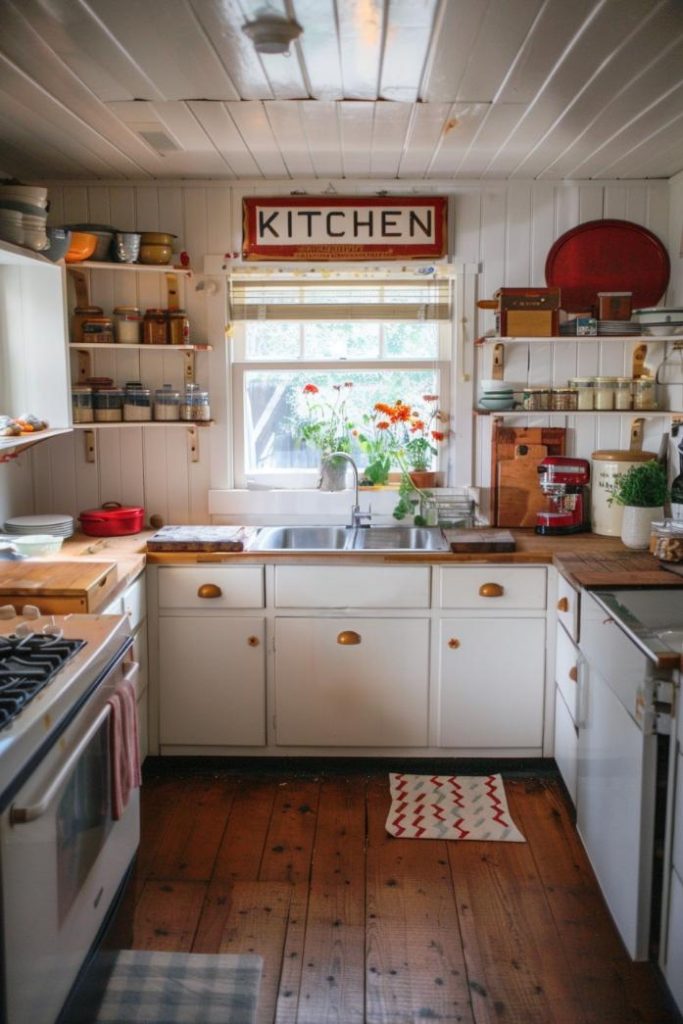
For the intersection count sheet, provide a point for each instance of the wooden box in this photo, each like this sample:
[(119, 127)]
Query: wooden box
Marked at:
[(528, 323), (58, 588), (528, 298)]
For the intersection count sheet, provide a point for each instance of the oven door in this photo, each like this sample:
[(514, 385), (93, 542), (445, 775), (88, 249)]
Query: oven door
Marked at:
[(63, 858)]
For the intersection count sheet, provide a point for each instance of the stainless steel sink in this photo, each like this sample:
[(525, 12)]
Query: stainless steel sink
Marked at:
[(400, 538), (302, 538), (343, 538)]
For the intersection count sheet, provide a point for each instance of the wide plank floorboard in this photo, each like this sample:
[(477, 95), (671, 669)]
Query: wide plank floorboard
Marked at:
[(358, 927)]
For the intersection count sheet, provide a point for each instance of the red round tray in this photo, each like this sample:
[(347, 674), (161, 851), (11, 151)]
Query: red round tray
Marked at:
[(607, 256)]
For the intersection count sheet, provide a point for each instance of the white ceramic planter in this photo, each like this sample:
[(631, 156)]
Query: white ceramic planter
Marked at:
[(636, 525)]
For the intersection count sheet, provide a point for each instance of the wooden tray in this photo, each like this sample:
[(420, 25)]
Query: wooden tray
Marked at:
[(57, 588), (200, 538), (465, 541)]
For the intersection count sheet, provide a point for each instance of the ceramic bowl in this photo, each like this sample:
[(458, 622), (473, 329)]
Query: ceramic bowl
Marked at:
[(35, 544), (82, 246), (157, 238), (155, 253), (25, 194), (12, 226), (59, 240), (127, 246), (496, 404)]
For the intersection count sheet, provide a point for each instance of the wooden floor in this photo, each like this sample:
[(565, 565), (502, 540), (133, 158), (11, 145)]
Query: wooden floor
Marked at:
[(355, 926)]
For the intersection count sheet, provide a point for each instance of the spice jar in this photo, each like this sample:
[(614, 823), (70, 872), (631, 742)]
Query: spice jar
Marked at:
[(584, 392), (644, 393), (137, 402), (166, 403), (195, 404), (155, 327), (97, 330), (127, 325), (79, 317), (623, 398), (178, 327), (666, 541), (81, 404), (603, 393), (563, 399), (108, 403)]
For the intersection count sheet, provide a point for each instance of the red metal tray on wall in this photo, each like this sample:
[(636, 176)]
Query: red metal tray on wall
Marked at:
[(608, 256)]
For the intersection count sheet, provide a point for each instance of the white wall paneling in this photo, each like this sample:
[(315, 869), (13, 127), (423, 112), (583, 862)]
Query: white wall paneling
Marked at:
[(506, 228)]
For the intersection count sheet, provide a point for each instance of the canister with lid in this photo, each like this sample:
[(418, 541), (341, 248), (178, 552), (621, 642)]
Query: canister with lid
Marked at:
[(563, 399), (603, 393), (155, 327), (623, 399), (607, 465), (127, 325), (137, 402), (644, 393), (584, 392), (97, 330), (79, 317), (178, 327), (166, 403), (82, 404), (108, 403), (195, 404), (535, 399)]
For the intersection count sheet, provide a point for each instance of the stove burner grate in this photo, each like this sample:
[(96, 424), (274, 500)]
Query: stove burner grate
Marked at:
[(27, 664)]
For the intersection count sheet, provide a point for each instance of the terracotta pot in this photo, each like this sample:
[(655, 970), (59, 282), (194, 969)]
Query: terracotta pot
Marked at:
[(426, 478)]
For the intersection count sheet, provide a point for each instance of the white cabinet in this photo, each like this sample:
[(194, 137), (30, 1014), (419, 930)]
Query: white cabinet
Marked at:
[(566, 745), (567, 684), (351, 681), (212, 680), (211, 656), (133, 603), (491, 682), (33, 359)]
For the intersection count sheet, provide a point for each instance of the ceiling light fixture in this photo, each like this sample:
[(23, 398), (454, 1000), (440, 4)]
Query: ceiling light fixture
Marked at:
[(271, 33)]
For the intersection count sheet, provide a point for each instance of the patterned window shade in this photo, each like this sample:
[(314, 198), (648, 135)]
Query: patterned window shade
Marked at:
[(409, 298)]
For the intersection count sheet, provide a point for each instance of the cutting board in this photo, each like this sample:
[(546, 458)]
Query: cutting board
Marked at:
[(515, 454), (466, 541), (200, 538), (57, 588)]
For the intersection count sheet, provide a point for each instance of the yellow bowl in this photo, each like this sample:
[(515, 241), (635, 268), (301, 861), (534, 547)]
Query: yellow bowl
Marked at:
[(82, 246), (157, 238), (155, 253)]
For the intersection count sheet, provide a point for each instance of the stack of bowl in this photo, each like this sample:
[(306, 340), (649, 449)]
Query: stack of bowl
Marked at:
[(23, 216), (496, 395), (156, 247)]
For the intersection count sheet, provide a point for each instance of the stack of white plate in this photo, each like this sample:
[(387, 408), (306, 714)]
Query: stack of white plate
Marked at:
[(23, 216), (618, 327), (53, 525)]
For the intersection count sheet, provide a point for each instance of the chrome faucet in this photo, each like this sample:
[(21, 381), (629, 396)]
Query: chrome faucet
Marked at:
[(358, 518)]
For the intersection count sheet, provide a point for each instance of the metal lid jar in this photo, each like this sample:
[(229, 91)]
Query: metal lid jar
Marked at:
[(623, 398), (166, 403), (584, 392), (108, 404), (195, 404), (137, 402), (127, 325), (178, 327), (644, 393), (155, 327), (82, 404), (603, 393), (97, 330), (78, 318)]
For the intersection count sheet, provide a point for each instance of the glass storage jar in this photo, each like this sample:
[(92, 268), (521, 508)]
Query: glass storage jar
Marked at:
[(644, 393), (563, 399), (178, 327), (82, 404), (166, 403), (108, 403), (137, 403), (195, 404), (536, 399), (127, 325), (155, 327), (623, 398), (98, 330), (603, 393), (666, 541), (584, 392), (79, 317)]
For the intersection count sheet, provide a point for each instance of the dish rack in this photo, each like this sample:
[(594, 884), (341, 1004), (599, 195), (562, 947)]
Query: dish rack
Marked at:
[(453, 506)]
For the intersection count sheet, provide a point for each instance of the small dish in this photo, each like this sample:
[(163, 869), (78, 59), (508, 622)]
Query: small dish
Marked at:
[(37, 544)]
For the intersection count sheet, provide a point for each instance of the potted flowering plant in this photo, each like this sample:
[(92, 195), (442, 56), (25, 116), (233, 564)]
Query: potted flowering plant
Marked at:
[(327, 428)]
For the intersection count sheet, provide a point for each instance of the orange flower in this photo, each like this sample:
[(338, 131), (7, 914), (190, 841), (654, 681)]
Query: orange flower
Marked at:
[(383, 425), (417, 425), (401, 412), (438, 435), (383, 407), (310, 389), (430, 398)]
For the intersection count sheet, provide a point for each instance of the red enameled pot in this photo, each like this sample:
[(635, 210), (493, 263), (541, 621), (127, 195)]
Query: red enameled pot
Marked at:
[(112, 520)]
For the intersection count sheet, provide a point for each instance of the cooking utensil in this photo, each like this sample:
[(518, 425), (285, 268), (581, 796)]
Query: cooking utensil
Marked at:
[(607, 255), (112, 520)]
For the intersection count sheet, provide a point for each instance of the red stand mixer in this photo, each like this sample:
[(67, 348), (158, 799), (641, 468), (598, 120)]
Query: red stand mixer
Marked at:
[(565, 483)]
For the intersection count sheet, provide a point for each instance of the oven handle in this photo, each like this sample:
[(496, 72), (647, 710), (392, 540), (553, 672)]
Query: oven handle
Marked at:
[(22, 815)]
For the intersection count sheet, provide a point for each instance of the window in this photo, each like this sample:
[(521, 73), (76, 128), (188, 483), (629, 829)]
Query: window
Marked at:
[(359, 344)]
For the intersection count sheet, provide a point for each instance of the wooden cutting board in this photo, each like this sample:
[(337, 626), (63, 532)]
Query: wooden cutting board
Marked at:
[(465, 541), (57, 588), (200, 538), (515, 454)]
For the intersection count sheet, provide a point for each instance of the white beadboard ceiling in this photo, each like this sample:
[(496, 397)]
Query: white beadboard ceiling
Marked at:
[(407, 89)]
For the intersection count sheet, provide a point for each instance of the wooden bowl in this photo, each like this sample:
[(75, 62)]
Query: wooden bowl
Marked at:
[(81, 248)]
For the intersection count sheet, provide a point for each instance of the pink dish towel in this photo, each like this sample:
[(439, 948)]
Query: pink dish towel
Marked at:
[(125, 752)]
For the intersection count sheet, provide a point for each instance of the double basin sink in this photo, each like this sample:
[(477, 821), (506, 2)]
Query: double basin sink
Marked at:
[(347, 538)]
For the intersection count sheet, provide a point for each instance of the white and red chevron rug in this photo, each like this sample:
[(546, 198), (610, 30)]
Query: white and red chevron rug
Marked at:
[(450, 807)]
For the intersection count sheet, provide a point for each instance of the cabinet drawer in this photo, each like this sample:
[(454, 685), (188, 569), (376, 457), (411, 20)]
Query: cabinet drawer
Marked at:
[(211, 587), (566, 671), (493, 587), (352, 586), (568, 607), (135, 602)]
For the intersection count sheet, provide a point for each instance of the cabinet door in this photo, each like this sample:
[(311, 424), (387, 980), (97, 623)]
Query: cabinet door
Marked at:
[(369, 692), (492, 677), (212, 680), (566, 745), (673, 968)]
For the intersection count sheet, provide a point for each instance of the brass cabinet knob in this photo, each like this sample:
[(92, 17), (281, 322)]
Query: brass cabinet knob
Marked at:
[(209, 590), (491, 590), (348, 638), (453, 643), (573, 673), (253, 641), (563, 604)]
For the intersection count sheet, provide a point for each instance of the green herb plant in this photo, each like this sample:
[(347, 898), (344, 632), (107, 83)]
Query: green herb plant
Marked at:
[(643, 485)]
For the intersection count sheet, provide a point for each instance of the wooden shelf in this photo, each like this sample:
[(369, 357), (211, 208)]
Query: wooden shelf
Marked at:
[(138, 268), (143, 423), (574, 412), (10, 447), (141, 347), (580, 337)]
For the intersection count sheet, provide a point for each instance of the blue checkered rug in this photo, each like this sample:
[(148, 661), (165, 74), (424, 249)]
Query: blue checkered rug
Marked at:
[(180, 988)]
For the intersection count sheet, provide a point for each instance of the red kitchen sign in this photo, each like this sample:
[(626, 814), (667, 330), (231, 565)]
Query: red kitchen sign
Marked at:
[(344, 228)]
